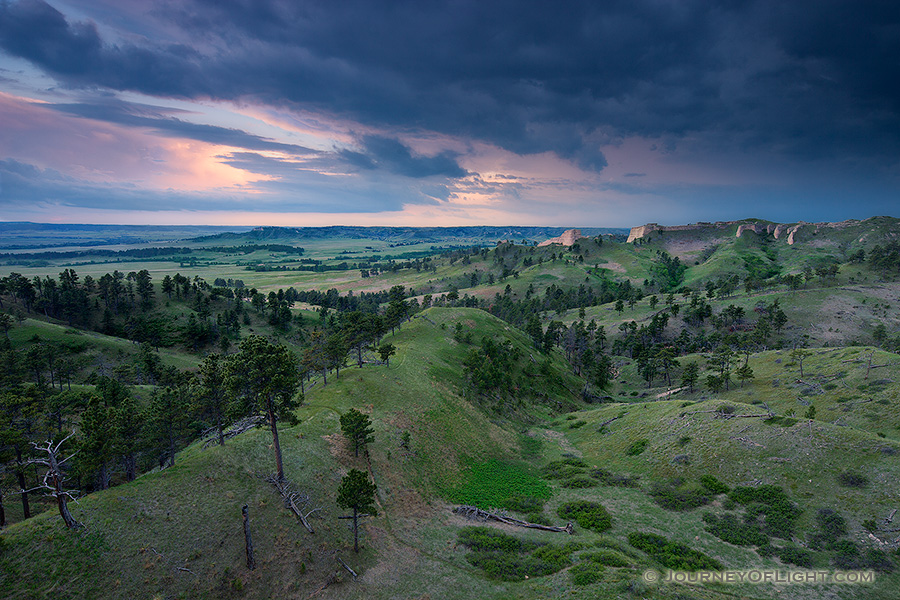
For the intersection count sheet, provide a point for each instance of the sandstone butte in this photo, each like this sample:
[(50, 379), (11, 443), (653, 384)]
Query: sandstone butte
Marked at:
[(777, 230), (567, 238)]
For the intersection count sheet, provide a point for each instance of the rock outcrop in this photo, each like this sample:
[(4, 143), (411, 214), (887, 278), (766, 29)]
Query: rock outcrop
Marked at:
[(776, 230), (568, 237)]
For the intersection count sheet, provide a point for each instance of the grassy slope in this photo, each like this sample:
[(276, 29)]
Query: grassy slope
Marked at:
[(140, 536)]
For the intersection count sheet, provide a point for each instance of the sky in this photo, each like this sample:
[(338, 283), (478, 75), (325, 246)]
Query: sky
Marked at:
[(592, 113)]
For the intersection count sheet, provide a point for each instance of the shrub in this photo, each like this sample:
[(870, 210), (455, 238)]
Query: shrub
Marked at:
[(589, 515), (637, 447), (507, 558), (485, 538), (831, 525), (586, 573), (524, 504), (608, 558), (852, 479), (713, 485), (846, 555), (795, 556), (672, 554), (677, 494), (608, 478), (771, 502), (729, 528), (563, 469), (879, 560), (578, 482)]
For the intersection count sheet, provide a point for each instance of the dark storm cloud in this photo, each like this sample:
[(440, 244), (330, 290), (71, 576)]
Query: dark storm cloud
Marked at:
[(806, 79), (154, 118), (395, 157)]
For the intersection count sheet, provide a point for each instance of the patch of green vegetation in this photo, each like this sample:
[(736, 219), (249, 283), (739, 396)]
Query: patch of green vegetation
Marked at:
[(507, 558), (498, 484), (637, 447), (672, 554), (565, 468), (586, 573), (589, 515), (609, 558), (729, 528), (678, 494), (607, 478), (713, 485), (771, 503)]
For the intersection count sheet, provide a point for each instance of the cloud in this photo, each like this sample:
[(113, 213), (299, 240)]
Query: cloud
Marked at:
[(395, 157), (155, 119), (792, 78)]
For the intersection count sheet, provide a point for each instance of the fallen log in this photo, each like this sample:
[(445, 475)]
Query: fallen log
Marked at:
[(291, 498), (473, 512)]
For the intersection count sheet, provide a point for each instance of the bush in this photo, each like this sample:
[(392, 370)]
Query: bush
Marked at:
[(608, 478), (879, 560), (771, 502), (846, 555), (578, 482), (565, 468), (677, 494), (831, 525), (507, 558), (672, 554), (589, 515), (713, 485), (637, 447), (607, 558), (485, 538), (586, 573), (795, 556), (852, 479), (729, 528)]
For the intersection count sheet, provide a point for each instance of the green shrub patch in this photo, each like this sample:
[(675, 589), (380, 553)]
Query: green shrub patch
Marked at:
[(496, 484), (677, 494), (607, 478), (565, 468), (586, 573), (637, 447), (608, 558), (770, 502), (507, 558), (713, 485), (672, 554), (589, 515), (729, 528)]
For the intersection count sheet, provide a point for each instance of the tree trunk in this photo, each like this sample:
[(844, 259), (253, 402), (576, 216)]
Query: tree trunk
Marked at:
[(104, 476), (130, 467), (20, 476), (219, 428), (2, 510), (279, 466), (355, 531), (248, 542), (67, 517)]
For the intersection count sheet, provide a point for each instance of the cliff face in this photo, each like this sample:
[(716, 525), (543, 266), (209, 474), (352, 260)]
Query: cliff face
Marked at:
[(568, 237), (777, 230)]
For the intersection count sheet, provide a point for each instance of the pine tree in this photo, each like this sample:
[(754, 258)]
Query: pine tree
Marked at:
[(358, 493), (264, 378), (356, 426)]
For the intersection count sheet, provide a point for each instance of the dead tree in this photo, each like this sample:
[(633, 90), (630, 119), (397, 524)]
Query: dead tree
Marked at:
[(475, 513), (54, 478), (248, 542)]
